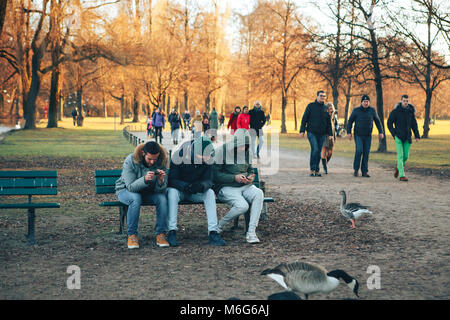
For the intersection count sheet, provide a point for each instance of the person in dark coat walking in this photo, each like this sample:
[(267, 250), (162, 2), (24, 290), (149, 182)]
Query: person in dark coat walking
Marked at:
[(158, 122), (364, 116), (317, 122), (74, 116), (400, 123), (257, 122), (175, 124)]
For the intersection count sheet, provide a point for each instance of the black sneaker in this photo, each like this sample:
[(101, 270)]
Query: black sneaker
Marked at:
[(172, 238), (317, 174), (215, 239)]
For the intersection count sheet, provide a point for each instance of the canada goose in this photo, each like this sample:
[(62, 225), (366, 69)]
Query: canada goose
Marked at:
[(307, 278), (352, 211)]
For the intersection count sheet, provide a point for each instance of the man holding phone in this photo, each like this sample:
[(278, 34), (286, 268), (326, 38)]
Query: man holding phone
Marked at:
[(144, 179), (233, 183)]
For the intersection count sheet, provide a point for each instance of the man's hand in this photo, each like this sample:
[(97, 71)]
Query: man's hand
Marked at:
[(250, 178), (240, 178), (330, 137), (381, 136), (349, 136), (161, 175), (302, 134), (149, 176)]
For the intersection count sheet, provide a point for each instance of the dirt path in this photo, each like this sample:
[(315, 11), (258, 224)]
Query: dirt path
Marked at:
[(407, 238)]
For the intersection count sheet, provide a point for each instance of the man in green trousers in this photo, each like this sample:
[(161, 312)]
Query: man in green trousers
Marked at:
[(400, 123)]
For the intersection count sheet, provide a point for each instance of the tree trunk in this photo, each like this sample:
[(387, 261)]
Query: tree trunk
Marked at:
[(135, 108), (186, 98), (283, 111), (122, 109), (335, 92), (426, 121), (53, 105), (295, 114), (30, 116), (348, 96), (80, 118), (105, 109), (60, 105)]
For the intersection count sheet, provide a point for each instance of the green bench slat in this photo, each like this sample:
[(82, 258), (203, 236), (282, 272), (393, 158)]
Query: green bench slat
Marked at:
[(103, 190), (29, 205), (108, 173), (106, 181), (28, 191), (28, 174), (28, 183)]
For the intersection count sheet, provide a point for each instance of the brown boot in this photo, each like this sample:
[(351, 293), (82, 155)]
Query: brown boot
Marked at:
[(396, 173), (403, 179)]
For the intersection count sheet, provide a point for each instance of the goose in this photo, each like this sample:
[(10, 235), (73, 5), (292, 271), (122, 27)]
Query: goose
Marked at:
[(307, 278), (352, 211)]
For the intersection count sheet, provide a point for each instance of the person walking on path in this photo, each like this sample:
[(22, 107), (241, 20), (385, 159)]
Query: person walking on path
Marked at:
[(158, 122), (74, 116), (191, 178), (175, 124), (327, 149), (221, 120), (196, 124), (232, 122), (400, 123), (257, 122), (233, 183), (363, 116), (243, 120), (186, 119), (149, 127), (144, 180), (205, 121), (213, 123), (317, 122)]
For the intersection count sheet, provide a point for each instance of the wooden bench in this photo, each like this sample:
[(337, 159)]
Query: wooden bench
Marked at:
[(105, 181), (29, 183)]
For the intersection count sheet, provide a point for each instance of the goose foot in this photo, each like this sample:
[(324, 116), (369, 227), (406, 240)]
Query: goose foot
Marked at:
[(353, 224)]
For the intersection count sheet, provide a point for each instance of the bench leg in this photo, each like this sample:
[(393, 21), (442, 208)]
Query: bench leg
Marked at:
[(31, 218), (123, 217)]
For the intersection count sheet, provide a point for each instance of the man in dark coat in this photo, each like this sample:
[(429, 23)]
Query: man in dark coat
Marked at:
[(400, 123), (363, 117), (191, 178), (257, 121), (317, 122)]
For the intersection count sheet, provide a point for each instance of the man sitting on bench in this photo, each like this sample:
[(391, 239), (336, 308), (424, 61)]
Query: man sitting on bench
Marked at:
[(233, 182), (143, 180), (190, 178)]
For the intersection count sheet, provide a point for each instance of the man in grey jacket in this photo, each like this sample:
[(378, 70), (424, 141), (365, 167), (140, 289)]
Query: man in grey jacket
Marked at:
[(144, 180)]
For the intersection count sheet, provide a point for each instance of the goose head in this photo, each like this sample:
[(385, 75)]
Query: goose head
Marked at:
[(351, 282)]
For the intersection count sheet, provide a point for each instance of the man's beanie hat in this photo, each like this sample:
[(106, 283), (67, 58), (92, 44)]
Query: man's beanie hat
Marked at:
[(365, 97)]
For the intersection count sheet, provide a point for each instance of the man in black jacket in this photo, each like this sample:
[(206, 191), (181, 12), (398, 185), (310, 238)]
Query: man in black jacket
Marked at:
[(363, 117), (257, 121), (317, 122), (400, 123), (191, 179)]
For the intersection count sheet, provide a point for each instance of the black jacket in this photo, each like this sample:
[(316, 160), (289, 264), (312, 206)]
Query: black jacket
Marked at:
[(363, 119), (257, 118), (401, 121), (316, 119), (175, 121), (187, 172)]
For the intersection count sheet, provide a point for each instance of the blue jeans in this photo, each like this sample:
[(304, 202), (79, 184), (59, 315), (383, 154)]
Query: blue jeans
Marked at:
[(174, 196), (363, 144), (316, 142), (135, 200)]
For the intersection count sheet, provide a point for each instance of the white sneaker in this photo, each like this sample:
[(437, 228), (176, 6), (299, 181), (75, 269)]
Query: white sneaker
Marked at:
[(251, 237)]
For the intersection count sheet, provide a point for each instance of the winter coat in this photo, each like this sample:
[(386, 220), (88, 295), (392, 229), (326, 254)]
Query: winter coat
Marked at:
[(243, 121), (401, 121), (363, 119), (175, 121), (232, 122), (196, 122), (316, 119), (158, 120), (228, 164), (257, 118), (134, 171), (214, 120), (187, 172)]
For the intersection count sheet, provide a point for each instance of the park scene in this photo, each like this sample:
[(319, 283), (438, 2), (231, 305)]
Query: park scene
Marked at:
[(216, 150)]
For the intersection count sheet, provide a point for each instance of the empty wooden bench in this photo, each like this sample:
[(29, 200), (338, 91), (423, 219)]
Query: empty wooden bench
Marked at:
[(28, 183), (105, 181)]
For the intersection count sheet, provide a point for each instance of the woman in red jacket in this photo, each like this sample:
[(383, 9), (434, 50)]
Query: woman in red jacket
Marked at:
[(232, 122), (243, 120)]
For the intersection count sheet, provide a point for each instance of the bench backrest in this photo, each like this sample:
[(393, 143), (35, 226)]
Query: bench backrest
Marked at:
[(28, 183), (105, 180)]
